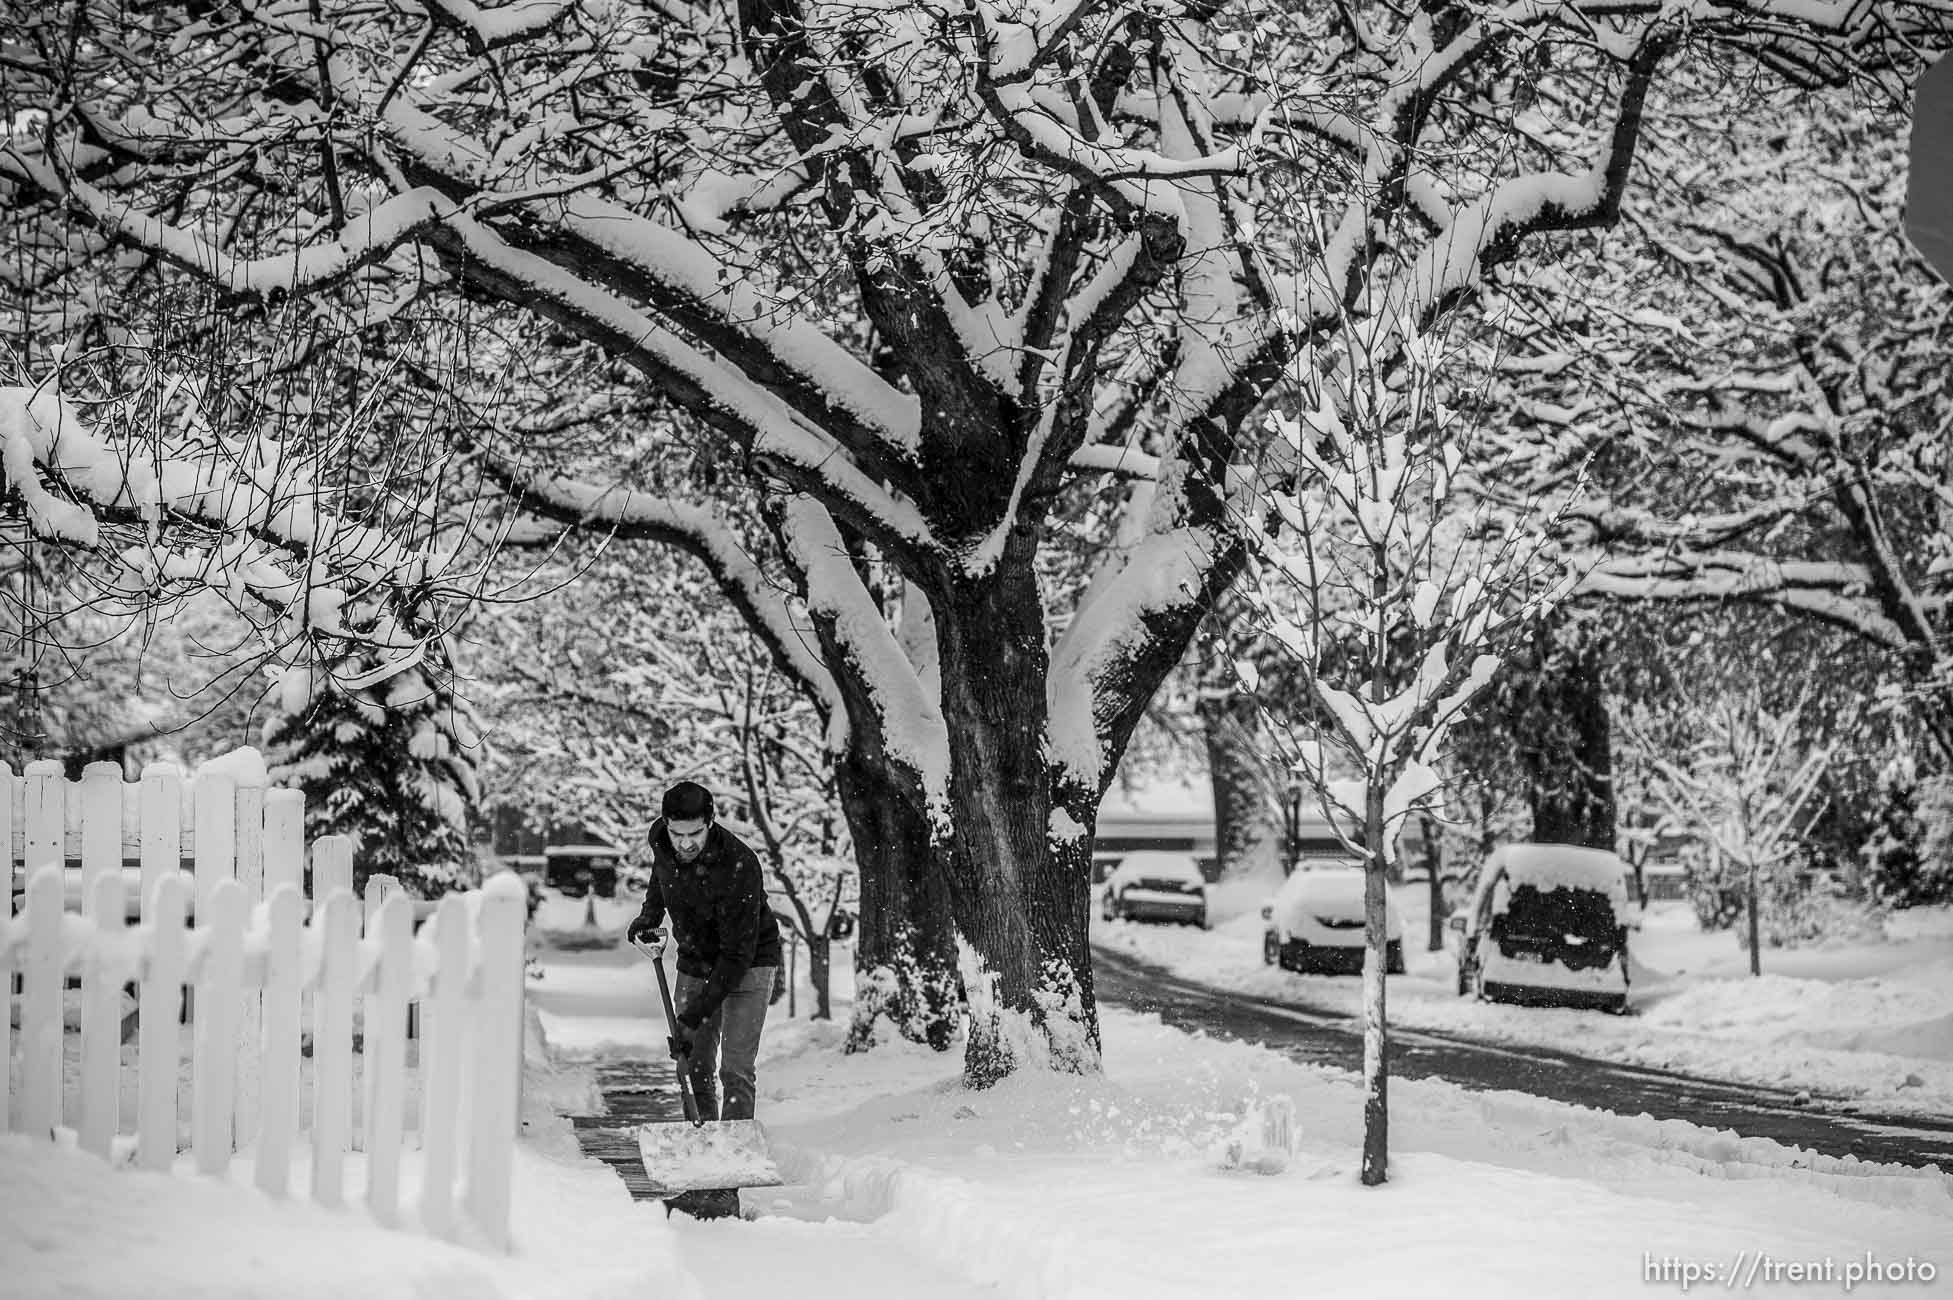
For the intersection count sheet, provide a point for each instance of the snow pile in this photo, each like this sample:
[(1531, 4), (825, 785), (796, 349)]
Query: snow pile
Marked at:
[(1547, 867), (1925, 1038), (245, 766), (1135, 1184), (77, 1229)]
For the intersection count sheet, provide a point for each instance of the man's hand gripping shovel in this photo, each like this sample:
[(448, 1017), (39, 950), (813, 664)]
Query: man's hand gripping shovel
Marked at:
[(696, 1153)]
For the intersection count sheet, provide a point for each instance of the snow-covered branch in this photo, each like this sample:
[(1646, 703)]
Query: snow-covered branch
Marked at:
[(909, 711), (258, 530), (699, 531)]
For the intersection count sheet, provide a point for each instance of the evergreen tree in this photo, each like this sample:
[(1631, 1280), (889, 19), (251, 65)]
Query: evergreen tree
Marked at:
[(389, 763), (1909, 854)]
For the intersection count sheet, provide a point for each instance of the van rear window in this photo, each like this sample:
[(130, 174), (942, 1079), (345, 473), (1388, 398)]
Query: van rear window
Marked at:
[(1560, 911)]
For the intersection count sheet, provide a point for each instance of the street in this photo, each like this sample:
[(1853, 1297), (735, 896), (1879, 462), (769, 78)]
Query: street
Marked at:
[(1825, 1125)]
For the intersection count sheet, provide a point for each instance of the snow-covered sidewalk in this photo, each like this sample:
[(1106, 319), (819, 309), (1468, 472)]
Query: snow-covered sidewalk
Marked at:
[(1048, 1187)]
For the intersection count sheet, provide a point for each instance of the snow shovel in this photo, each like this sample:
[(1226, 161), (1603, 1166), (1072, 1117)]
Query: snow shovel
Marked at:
[(695, 1154)]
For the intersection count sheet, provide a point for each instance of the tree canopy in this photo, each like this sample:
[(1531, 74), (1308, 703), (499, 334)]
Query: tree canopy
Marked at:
[(912, 273)]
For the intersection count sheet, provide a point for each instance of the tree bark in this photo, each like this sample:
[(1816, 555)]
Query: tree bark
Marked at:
[(1433, 840), (1376, 1039), (1245, 831), (905, 945), (1571, 786), (820, 957), (1020, 890)]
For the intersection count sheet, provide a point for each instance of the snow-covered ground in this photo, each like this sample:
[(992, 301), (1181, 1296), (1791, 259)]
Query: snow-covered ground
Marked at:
[(1147, 1182), (1871, 1021)]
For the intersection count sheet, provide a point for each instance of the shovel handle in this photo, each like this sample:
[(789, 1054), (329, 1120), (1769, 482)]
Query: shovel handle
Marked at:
[(671, 1022)]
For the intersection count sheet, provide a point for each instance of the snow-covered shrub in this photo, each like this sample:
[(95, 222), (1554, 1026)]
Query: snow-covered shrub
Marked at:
[(1715, 887), (1795, 910)]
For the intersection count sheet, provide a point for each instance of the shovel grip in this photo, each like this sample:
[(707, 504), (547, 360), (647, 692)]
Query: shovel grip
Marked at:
[(679, 1062)]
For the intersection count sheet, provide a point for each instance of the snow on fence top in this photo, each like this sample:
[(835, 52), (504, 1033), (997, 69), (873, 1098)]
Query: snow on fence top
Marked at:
[(213, 825), (132, 799)]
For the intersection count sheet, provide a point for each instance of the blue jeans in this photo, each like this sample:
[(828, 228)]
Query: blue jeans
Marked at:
[(726, 1047)]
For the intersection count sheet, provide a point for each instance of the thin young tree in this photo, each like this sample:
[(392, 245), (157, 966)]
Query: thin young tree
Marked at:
[(1394, 598), (1750, 785)]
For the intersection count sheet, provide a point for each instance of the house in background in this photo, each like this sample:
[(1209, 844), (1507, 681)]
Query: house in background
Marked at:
[(1178, 816), (1169, 815), (567, 858)]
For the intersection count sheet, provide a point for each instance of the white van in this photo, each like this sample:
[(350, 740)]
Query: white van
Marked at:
[(1548, 924)]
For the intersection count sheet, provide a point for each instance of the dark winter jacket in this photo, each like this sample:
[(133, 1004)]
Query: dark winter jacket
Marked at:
[(719, 914)]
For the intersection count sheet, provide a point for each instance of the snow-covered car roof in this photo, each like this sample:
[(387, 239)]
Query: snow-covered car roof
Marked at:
[(1332, 892), (1161, 864), (1560, 866)]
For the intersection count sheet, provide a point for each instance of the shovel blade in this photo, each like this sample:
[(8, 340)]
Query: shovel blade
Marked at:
[(680, 1156)]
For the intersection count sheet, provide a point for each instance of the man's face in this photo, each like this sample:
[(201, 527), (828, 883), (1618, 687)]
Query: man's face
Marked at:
[(688, 837)]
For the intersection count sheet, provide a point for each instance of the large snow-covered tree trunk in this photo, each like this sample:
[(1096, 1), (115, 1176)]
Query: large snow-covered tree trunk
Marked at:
[(1020, 896), (1245, 834), (905, 947)]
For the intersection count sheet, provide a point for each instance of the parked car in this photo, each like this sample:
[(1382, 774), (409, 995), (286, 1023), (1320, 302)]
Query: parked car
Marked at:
[(575, 870), (1548, 924), (1156, 885), (1315, 924)]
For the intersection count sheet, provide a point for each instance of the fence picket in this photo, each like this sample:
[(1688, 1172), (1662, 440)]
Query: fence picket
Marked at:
[(278, 1114), (157, 1047), (379, 888), (386, 1054), (213, 1080), (161, 804), (284, 841), (215, 819), (101, 1005), (249, 842), (10, 799), (284, 864), (44, 815), (443, 1016), (100, 797), (337, 920), (8, 949), (498, 1047), (332, 865), (40, 1003)]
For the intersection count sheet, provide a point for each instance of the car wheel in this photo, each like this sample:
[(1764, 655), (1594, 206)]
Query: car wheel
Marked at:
[(1393, 957), (1618, 1006)]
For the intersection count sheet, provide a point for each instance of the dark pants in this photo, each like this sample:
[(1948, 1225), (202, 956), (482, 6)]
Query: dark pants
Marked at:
[(726, 1047)]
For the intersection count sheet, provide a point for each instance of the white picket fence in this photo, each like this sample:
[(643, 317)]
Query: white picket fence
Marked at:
[(261, 965)]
